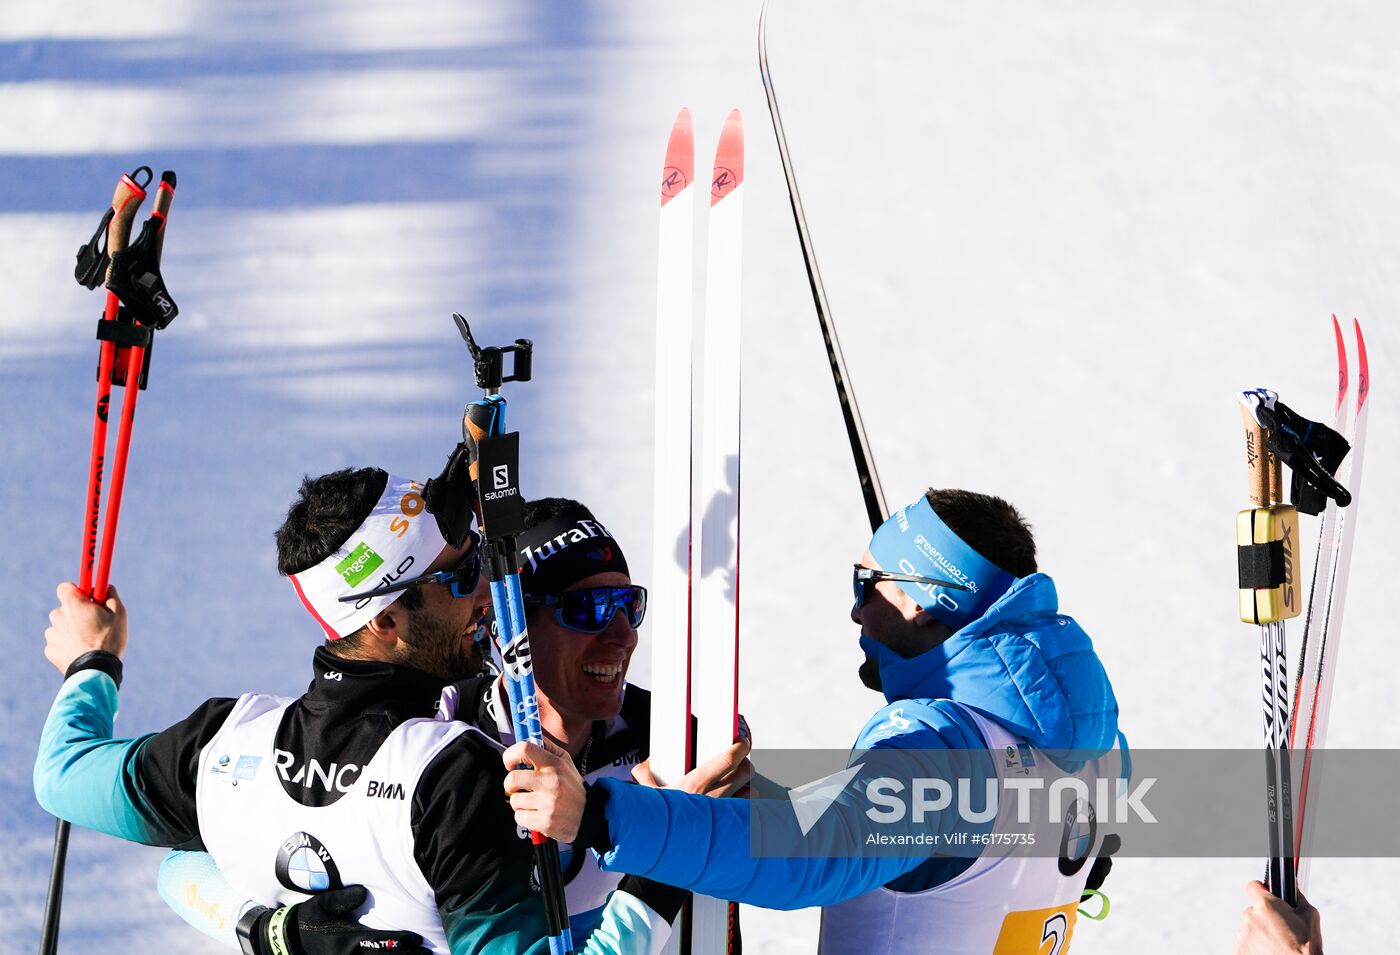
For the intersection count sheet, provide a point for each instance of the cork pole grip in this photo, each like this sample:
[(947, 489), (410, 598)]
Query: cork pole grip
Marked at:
[(1265, 471), (125, 203), (165, 195)]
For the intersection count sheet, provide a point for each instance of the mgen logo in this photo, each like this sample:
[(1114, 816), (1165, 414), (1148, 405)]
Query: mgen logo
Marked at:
[(304, 865), (362, 562)]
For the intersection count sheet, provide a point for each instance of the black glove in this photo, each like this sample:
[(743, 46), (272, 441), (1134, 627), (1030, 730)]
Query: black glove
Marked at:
[(324, 924), (451, 496)]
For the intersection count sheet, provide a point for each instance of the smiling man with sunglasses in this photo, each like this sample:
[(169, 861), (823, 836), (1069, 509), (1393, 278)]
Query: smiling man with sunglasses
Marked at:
[(985, 681), (583, 611), (378, 785)]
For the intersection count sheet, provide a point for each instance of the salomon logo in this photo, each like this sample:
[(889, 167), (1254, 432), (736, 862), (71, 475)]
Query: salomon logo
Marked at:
[(500, 482), (385, 790)]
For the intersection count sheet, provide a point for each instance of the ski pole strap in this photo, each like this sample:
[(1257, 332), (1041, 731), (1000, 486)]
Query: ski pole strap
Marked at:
[(123, 332), (92, 255)]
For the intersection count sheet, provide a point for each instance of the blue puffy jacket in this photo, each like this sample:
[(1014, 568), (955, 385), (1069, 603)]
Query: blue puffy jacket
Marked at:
[(1022, 664)]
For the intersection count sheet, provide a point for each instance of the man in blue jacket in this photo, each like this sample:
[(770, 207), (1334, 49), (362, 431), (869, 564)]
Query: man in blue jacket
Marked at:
[(985, 682)]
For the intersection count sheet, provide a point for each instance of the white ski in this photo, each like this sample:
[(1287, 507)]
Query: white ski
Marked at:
[(669, 605), (1311, 715), (714, 621), (694, 587)]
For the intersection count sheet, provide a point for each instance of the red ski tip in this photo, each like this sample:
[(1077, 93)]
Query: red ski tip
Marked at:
[(729, 158), (679, 170), (1341, 364), (1363, 383)]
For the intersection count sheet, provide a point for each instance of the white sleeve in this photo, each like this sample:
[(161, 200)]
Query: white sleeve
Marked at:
[(629, 927), (192, 885)]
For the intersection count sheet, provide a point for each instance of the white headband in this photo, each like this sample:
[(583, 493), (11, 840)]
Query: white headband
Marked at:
[(399, 539)]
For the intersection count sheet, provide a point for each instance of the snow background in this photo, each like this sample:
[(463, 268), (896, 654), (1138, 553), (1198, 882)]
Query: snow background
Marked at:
[(1057, 238)]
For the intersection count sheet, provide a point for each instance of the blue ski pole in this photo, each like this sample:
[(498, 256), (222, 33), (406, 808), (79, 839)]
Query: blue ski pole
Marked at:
[(502, 517)]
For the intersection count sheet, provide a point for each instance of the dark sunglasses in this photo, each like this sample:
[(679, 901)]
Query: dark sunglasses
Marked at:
[(864, 579), (461, 580), (591, 610)]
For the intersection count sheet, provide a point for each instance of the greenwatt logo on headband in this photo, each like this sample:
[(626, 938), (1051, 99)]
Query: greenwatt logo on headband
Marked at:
[(362, 562)]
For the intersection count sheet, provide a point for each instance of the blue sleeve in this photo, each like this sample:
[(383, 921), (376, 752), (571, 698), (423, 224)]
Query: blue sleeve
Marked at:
[(81, 773), (142, 789), (766, 852), (192, 885)]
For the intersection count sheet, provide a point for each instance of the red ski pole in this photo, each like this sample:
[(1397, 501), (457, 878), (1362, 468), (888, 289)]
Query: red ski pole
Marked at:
[(132, 273), (132, 384), (125, 202)]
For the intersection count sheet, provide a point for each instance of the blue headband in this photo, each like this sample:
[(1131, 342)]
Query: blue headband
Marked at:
[(916, 541)]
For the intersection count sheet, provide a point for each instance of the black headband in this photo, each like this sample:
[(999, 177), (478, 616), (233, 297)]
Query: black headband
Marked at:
[(565, 549)]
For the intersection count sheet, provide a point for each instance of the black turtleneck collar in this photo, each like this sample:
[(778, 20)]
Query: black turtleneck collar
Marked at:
[(327, 736), (372, 686)]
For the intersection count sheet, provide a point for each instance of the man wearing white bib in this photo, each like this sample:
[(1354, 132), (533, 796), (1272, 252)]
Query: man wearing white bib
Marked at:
[(358, 781), (583, 611)]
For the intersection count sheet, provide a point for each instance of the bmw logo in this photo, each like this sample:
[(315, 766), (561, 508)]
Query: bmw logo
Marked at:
[(1077, 837), (304, 865)]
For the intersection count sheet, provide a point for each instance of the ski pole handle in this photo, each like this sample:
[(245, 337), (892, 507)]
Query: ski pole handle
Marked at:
[(126, 201), (1265, 470), (165, 195)]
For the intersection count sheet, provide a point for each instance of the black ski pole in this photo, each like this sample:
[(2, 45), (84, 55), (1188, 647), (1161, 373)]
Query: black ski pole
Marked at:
[(1266, 535), (870, 488)]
